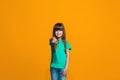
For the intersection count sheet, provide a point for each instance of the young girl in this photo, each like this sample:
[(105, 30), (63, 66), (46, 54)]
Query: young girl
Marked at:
[(60, 48)]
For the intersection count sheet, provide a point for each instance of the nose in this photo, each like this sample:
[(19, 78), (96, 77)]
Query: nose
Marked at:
[(58, 31)]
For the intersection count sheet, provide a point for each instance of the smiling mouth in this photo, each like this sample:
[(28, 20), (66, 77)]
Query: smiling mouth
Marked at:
[(58, 34)]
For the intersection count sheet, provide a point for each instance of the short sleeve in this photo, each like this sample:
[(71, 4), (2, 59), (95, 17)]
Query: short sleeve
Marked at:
[(68, 46)]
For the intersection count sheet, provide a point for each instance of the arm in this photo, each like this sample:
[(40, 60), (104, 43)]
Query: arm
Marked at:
[(67, 62), (68, 59)]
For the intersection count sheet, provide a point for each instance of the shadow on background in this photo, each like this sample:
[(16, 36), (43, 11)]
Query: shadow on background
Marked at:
[(69, 75)]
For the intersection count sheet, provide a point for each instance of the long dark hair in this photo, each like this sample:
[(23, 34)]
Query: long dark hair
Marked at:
[(59, 26)]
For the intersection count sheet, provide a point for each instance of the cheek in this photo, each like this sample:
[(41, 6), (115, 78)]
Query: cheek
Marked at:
[(62, 33), (56, 33)]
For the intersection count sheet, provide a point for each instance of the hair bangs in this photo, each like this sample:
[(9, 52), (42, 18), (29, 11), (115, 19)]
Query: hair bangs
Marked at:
[(59, 28)]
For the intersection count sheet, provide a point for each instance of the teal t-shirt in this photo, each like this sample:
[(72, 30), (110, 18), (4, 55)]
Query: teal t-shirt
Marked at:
[(58, 59)]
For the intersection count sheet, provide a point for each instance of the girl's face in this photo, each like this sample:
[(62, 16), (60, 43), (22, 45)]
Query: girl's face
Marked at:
[(59, 33)]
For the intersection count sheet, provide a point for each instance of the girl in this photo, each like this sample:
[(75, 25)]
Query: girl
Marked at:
[(60, 48)]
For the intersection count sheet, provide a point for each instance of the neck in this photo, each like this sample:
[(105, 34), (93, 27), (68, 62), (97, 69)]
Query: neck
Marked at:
[(59, 38)]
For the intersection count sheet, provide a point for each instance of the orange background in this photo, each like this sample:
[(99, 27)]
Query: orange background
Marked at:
[(92, 28)]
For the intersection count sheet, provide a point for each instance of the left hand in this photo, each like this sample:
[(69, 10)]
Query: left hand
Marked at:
[(64, 72)]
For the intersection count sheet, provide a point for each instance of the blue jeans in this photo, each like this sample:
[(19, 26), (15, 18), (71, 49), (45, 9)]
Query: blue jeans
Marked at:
[(56, 74)]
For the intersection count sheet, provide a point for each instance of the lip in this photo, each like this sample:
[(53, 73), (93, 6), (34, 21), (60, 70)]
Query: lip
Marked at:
[(58, 34)]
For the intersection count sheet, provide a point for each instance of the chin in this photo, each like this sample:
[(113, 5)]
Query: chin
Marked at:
[(59, 36)]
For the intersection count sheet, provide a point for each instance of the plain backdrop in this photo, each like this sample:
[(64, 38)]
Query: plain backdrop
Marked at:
[(92, 28)]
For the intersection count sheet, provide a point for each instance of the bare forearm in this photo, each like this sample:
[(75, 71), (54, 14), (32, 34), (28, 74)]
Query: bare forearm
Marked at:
[(67, 59)]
